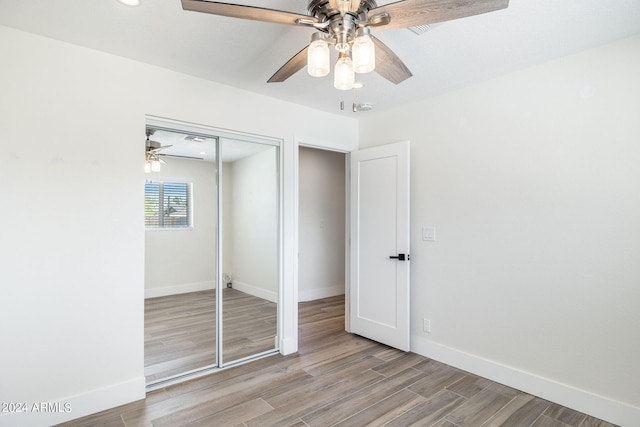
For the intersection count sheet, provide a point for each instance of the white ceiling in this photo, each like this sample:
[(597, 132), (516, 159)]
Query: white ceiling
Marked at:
[(204, 148), (246, 53)]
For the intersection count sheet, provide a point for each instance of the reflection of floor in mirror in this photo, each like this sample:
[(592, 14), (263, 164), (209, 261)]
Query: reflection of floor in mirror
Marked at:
[(180, 336)]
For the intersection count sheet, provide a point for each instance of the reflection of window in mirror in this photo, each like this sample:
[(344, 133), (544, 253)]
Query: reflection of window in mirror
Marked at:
[(167, 204)]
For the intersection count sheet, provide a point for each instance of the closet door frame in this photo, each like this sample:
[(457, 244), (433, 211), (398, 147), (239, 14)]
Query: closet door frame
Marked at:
[(212, 132)]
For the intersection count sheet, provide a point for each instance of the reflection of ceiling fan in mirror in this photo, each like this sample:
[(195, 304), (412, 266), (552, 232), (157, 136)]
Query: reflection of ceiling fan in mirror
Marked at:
[(347, 25), (153, 153)]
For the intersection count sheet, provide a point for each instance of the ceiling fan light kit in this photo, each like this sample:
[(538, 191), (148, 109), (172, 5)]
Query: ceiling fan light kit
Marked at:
[(362, 59), (318, 56), (364, 52), (344, 77), (152, 166), (347, 25), (152, 160)]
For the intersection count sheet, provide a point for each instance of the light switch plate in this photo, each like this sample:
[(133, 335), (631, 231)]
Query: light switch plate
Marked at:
[(429, 234)]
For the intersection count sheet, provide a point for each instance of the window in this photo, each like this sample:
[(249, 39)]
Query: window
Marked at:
[(167, 205)]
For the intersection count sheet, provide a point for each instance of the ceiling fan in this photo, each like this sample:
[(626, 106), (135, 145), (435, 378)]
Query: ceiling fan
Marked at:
[(152, 153), (347, 25)]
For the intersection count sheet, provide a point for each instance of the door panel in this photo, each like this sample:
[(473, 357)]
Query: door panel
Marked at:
[(379, 285), (250, 250), (180, 245)]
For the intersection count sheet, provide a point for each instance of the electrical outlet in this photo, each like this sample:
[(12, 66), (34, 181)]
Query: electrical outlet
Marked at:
[(426, 325)]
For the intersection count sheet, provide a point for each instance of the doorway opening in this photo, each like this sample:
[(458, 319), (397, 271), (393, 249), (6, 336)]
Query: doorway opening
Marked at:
[(321, 223)]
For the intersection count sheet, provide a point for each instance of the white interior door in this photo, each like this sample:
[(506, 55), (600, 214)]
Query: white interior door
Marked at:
[(379, 250)]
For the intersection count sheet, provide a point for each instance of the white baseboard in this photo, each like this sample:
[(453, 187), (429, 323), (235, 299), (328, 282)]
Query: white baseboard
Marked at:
[(313, 294), (288, 346), (70, 408), (256, 291), (179, 289), (607, 409)]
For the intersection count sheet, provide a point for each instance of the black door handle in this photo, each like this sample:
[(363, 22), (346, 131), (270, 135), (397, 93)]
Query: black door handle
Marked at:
[(400, 257)]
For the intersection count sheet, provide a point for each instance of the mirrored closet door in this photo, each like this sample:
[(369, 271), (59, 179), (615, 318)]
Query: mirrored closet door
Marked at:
[(212, 250), (250, 252)]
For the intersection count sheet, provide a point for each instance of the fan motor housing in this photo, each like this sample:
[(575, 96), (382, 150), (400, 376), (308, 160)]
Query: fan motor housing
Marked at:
[(321, 9), (152, 144)]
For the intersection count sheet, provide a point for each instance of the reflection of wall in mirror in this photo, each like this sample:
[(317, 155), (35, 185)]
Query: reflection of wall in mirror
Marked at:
[(251, 223), (179, 261)]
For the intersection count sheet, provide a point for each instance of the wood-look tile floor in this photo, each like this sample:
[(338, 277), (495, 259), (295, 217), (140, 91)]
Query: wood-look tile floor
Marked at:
[(338, 379), (180, 330)]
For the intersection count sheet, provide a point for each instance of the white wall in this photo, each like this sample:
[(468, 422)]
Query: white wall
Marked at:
[(72, 249), (532, 181), (184, 260), (254, 224), (321, 269)]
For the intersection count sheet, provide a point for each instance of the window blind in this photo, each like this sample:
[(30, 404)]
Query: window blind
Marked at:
[(167, 204)]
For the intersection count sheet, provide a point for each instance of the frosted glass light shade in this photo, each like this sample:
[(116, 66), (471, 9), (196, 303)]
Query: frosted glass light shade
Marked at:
[(318, 62), (155, 166), (130, 2), (344, 5), (364, 53), (147, 166), (344, 77)]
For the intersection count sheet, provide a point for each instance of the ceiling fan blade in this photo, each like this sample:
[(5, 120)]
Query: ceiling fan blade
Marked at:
[(157, 149), (292, 66), (178, 156), (388, 65), (409, 13), (246, 12)]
